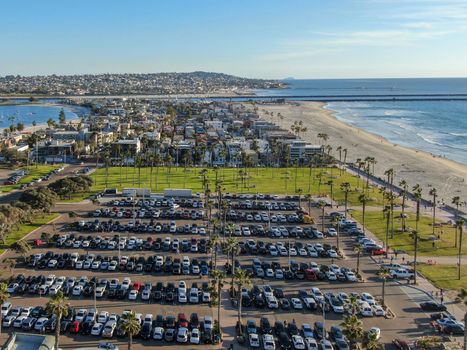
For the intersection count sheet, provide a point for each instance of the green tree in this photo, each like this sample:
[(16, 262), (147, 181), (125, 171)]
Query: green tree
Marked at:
[(217, 281), (434, 193), (58, 305), (460, 225), (417, 193), (352, 328), (345, 187), (363, 199), (384, 274), (61, 117), (241, 280), (372, 342), (131, 326), (456, 201), (358, 249), (3, 298), (322, 205)]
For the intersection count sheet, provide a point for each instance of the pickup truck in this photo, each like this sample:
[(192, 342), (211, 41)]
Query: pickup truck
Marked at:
[(402, 273)]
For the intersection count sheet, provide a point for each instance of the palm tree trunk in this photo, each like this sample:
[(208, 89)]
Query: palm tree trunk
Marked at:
[(460, 252), (219, 291), (57, 330), (383, 292), (240, 328), (130, 340), (358, 262)]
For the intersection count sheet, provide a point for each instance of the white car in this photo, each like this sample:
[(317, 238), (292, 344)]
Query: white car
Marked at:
[(254, 340), (126, 283), (195, 336), (332, 253), (331, 276), (326, 345), (146, 294), (279, 274), (332, 232), (182, 335), (268, 342), (401, 273), (366, 310), (376, 331), (182, 298), (311, 343), (378, 310), (297, 304), (298, 342), (77, 290), (351, 277), (54, 289), (103, 317), (272, 302), (158, 333), (81, 315), (133, 295), (40, 324), (97, 329), (8, 321), (368, 298)]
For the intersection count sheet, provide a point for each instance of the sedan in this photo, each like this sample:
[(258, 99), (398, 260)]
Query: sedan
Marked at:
[(297, 304), (97, 329), (254, 340)]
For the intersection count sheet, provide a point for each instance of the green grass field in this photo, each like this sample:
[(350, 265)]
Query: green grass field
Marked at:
[(34, 173), (445, 276), (24, 229), (375, 222), (259, 180)]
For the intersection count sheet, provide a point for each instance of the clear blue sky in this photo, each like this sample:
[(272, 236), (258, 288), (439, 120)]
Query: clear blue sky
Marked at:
[(253, 38)]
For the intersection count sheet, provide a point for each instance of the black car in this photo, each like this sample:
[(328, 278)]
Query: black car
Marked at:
[(457, 329), (194, 320), (51, 324), (284, 341), (86, 327), (265, 325), (292, 329), (279, 327), (433, 306), (37, 312), (146, 330), (207, 336)]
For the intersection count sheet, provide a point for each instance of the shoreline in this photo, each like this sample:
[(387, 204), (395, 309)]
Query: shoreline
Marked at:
[(414, 166)]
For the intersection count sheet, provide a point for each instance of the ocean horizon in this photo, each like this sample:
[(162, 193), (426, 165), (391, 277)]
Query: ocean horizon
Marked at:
[(437, 127)]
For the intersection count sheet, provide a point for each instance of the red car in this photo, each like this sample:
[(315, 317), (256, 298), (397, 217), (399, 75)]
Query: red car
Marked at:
[(378, 252), (310, 275), (182, 321), (137, 286), (75, 327)]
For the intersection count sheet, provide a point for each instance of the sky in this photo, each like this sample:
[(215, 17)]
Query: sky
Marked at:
[(250, 38)]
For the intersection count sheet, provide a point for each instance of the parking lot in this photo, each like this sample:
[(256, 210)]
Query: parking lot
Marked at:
[(162, 244)]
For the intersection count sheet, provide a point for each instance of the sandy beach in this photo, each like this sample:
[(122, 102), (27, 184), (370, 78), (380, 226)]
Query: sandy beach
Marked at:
[(416, 167)]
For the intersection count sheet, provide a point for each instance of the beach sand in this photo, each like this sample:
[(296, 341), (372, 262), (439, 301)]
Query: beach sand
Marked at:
[(416, 167)]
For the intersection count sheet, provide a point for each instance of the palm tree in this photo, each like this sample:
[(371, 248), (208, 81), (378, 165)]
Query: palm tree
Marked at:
[(460, 225), (384, 274), (322, 205), (58, 305), (418, 197), (231, 247), (434, 193), (456, 202), (131, 326), (403, 193), (387, 215), (363, 199), (299, 192), (390, 196), (358, 249), (335, 222), (241, 280), (3, 297), (345, 187), (215, 241), (217, 281), (353, 304), (352, 328), (372, 342)]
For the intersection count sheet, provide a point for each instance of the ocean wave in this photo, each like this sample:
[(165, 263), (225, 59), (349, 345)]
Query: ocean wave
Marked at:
[(458, 134)]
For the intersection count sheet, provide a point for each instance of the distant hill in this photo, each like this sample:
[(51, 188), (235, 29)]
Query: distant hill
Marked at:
[(131, 84)]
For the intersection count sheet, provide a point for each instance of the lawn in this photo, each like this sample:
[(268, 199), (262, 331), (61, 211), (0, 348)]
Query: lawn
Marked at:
[(375, 222), (35, 172), (445, 276), (258, 180), (24, 229)]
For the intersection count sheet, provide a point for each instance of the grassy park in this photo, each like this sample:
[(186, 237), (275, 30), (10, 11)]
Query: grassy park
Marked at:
[(240, 180), (445, 276), (35, 172), (40, 220), (375, 223)]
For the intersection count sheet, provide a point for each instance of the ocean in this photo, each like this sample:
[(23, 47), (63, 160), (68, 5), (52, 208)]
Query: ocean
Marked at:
[(40, 113), (438, 127)]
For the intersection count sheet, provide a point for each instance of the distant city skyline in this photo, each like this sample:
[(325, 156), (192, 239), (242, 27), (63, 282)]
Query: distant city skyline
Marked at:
[(270, 39)]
